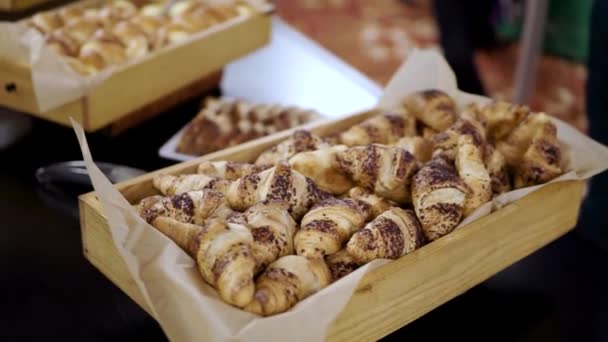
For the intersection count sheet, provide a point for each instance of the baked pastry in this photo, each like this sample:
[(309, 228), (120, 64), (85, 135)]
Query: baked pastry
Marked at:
[(327, 226), (133, 38), (439, 197), (286, 282), (222, 123), (387, 170), (101, 53), (224, 256), (446, 142), (82, 30), (278, 184), (542, 161), (497, 168), (503, 117), (340, 264), (300, 141), (319, 165), (518, 141), (384, 128), (172, 185), (371, 203), (189, 207), (45, 22), (272, 229), (391, 235), (228, 170), (434, 108), (471, 169), (62, 43), (419, 147)]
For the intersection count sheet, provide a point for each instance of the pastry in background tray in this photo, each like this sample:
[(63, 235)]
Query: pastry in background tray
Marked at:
[(136, 29), (222, 123)]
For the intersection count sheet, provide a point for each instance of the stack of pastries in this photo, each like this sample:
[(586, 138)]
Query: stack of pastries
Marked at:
[(224, 122), (92, 39), (310, 210)]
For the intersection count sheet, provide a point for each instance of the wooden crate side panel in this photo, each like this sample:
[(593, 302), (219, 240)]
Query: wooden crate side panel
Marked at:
[(17, 89), (401, 291), (145, 82), (99, 249)]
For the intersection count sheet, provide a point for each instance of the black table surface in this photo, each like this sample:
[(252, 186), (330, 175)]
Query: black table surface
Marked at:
[(51, 292)]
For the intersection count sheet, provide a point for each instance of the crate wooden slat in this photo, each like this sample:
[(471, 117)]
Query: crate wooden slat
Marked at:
[(400, 291), (166, 73)]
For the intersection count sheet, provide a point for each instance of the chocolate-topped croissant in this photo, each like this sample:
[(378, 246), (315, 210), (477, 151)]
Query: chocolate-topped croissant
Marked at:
[(387, 170), (228, 170), (189, 207), (518, 141), (541, 162), (287, 281), (471, 123), (384, 128), (273, 230), (471, 169), (320, 167), (327, 226), (172, 185), (300, 141), (503, 117), (439, 197), (281, 184), (391, 235), (434, 108), (419, 147)]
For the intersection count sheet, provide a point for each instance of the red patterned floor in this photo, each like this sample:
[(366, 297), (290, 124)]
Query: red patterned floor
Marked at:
[(376, 36)]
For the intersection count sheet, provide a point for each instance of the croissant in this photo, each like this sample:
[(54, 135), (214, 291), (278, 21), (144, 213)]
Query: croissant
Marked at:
[(63, 43), (171, 185), (101, 54), (280, 184), (497, 167), (387, 170), (225, 259), (300, 141), (439, 196), (133, 38), (287, 281), (541, 162), (228, 170), (273, 230), (82, 30), (340, 264), (503, 117), (519, 140), (319, 166), (471, 169), (371, 204), (419, 147), (384, 128), (446, 142), (391, 235), (46, 22), (326, 227), (434, 108), (190, 207)]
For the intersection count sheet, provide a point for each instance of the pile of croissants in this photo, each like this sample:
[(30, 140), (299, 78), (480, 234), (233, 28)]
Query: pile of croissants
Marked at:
[(92, 39), (312, 209), (222, 123)]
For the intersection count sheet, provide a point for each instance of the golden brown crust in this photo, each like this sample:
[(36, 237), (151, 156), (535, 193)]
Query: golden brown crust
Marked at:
[(228, 170), (434, 108), (387, 170), (300, 141), (341, 264), (320, 167), (391, 235), (286, 282), (497, 167), (438, 195), (384, 128), (327, 226), (371, 203), (471, 169)]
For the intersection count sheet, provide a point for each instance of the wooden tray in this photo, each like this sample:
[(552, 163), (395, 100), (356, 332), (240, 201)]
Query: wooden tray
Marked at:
[(178, 72), (400, 291), (20, 5)]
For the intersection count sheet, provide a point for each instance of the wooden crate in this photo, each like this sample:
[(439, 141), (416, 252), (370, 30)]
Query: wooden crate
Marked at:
[(157, 82), (400, 291), (20, 5)]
